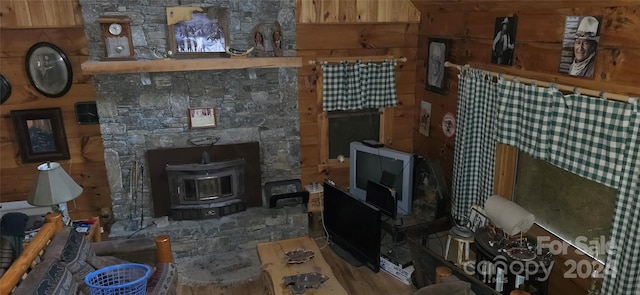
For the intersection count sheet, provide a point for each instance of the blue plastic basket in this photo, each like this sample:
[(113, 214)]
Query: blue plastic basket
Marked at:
[(120, 279)]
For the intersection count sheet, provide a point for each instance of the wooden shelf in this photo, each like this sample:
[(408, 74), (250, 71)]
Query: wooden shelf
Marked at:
[(191, 64)]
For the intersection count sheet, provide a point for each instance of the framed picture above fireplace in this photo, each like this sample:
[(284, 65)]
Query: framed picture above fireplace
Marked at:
[(202, 117), (198, 31)]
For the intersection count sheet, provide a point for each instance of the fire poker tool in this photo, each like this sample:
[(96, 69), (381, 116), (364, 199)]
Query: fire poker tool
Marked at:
[(132, 226), (142, 194)]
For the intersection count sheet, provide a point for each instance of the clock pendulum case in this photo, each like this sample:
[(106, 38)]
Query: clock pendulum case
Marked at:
[(116, 35)]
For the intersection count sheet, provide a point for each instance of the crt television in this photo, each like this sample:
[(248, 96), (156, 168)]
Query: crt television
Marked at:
[(353, 227), (392, 168)]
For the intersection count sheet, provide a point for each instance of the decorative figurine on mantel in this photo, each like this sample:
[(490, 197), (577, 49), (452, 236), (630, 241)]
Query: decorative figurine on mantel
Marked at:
[(276, 33), (258, 40)]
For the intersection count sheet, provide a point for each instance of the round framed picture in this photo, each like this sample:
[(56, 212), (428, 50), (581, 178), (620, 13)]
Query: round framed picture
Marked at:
[(48, 69)]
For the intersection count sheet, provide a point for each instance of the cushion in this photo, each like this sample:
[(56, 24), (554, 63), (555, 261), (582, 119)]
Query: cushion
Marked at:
[(49, 277), (164, 280), (72, 249), (446, 288)]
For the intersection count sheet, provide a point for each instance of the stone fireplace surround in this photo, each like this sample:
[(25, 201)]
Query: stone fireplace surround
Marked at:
[(148, 111)]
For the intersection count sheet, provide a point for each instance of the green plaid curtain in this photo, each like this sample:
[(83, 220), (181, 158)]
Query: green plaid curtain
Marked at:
[(595, 138), (524, 115), (623, 260), (356, 86), (474, 157), (587, 137)]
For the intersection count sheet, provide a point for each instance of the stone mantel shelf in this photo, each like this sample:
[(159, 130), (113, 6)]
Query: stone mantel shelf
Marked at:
[(183, 64)]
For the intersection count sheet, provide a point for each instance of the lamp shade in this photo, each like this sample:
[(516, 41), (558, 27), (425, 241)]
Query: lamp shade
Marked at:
[(53, 186), (508, 215)]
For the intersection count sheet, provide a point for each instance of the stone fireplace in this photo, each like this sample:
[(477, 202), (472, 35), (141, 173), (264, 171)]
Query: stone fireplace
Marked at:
[(144, 112)]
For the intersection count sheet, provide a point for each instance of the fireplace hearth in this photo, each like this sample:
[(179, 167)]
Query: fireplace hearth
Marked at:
[(206, 190)]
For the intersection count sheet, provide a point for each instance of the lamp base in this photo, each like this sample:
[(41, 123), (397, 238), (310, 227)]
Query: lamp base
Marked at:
[(62, 209)]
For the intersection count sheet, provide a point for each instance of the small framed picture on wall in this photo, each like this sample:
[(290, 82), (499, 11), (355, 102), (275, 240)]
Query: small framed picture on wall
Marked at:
[(504, 40), (202, 117), (437, 56)]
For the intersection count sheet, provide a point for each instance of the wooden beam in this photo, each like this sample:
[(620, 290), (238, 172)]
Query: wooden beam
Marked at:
[(194, 64)]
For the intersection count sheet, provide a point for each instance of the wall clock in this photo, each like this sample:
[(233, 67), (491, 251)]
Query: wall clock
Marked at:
[(116, 36), (48, 69), (87, 113)]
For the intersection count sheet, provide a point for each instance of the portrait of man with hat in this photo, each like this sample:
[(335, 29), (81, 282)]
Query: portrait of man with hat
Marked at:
[(582, 34), (504, 41), (584, 47), (436, 71)]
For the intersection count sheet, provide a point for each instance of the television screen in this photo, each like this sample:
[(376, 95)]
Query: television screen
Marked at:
[(386, 166), (383, 197), (353, 227)]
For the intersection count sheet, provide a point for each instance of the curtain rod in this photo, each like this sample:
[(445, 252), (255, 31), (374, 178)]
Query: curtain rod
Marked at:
[(589, 92), (356, 58)]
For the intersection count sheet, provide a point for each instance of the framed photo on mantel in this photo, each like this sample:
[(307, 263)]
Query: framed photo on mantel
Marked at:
[(198, 31), (202, 117)]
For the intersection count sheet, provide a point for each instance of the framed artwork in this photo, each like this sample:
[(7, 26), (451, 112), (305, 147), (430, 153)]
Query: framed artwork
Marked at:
[(438, 52), (202, 117), (477, 219), (198, 32), (48, 69), (425, 118), (581, 38), (504, 40), (41, 135), (87, 113)]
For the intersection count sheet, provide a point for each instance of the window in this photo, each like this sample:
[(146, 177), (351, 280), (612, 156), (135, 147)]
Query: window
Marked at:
[(339, 128), (575, 209), (347, 126)]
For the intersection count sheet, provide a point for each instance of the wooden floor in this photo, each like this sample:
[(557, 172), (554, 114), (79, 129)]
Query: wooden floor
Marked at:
[(356, 281)]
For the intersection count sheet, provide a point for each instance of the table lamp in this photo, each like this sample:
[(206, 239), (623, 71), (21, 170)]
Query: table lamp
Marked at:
[(54, 187), (508, 215)]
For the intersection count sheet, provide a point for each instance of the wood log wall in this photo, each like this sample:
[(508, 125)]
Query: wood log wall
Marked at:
[(22, 24), (335, 29), (469, 24)]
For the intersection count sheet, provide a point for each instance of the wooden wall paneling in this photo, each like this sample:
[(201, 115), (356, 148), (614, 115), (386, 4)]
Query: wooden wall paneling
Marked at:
[(337, 36), (349, 11), (60, 14), (366, 11), (40, 14), (329, 11), (386, 126), (305, 12), (58, 22), (71, 40), (505, 170), (21, 13), (24, 96), (7, 15)]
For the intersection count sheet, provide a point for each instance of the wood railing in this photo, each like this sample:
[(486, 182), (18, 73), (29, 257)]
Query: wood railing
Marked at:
[(53, 223)]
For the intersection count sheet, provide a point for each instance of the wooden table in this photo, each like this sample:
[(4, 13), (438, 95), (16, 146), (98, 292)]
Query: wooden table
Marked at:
[(274, 267)]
